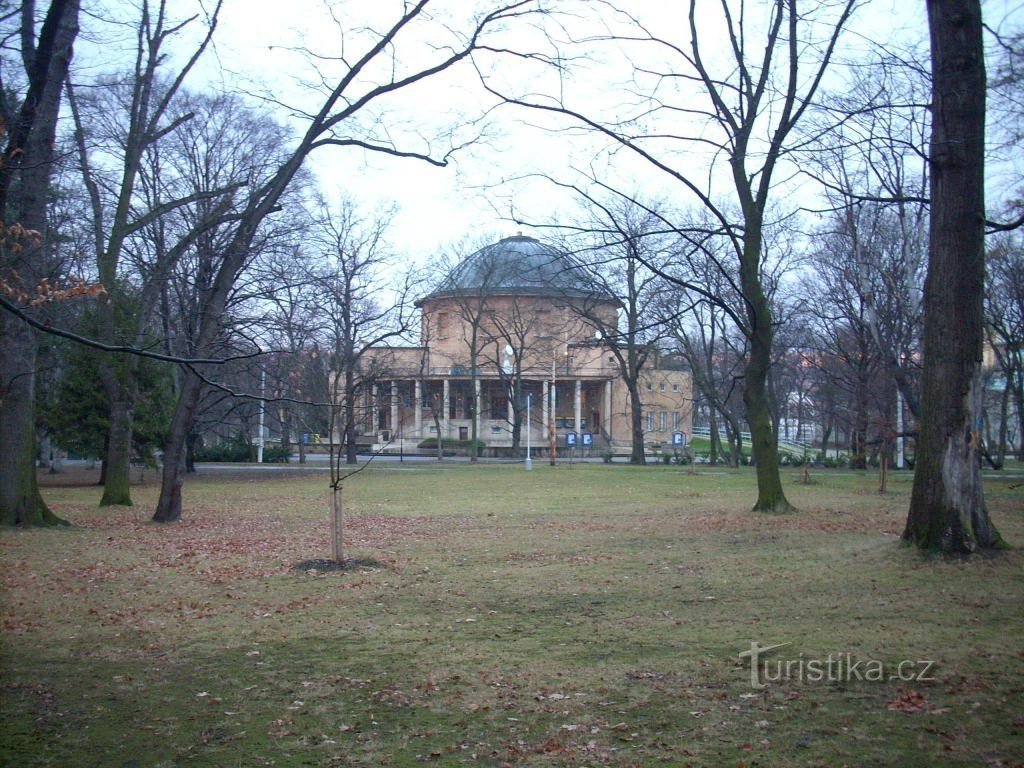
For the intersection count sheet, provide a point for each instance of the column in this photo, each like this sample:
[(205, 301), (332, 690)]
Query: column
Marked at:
[(577, 406), (418, 409), (371, 427), (394, 409), (445, 398), (608, 409), (544, 409)]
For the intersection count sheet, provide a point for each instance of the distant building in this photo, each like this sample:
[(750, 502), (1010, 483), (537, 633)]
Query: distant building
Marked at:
[(508, 328)]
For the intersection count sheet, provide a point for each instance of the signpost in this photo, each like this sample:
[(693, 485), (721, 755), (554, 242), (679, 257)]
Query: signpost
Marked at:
[(678, 441)]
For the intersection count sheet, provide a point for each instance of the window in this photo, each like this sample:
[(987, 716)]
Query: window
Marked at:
[(650, 421), (499, 406), (661, 387), (677, 420), (675, 387), (662, 421), (650, 387)]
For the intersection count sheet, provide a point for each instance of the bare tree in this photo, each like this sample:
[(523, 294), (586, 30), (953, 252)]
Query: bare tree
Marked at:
[(622, 248), (471, 301), (947, 507), (342, 119), (873, 164), (352, 261), (117, 126), (747, 114), (1004, 320)]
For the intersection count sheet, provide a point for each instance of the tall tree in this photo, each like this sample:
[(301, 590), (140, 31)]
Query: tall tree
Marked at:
[(29, 125), (117, 126), (947, 505), (346, 117), (754, 92)]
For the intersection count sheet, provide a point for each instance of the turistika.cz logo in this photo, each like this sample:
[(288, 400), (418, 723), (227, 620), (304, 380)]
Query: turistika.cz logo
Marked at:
[(838, 667)]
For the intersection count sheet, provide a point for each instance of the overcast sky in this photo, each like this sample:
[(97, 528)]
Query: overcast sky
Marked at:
[(255, 53)]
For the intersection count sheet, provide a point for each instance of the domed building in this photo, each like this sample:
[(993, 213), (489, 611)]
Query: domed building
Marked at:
[(509, 343)]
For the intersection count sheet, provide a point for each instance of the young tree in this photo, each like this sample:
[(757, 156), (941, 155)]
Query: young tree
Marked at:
[(28, 124), (947, 505), (350, 275)]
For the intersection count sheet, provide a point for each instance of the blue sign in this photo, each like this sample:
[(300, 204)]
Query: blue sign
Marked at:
[(679, 438), (570, 439), (588, 439)]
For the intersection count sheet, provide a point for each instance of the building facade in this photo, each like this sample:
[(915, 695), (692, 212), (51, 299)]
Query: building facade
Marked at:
[(509, 356)]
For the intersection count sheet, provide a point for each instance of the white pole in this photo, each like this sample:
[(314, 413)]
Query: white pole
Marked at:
[(263, 408), (529, 461)]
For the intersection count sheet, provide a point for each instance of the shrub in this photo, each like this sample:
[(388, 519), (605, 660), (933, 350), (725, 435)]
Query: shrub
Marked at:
[(277, 454), (450, 443), (236, 449)]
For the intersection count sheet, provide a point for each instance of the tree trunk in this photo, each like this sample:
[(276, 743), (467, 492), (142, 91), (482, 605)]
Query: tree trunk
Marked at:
[(190, 452), (636, 421), (24, 196), (20, 501), (763, 439), (735, 435), (859, 436), (349, 408), (168, 506), (947, 505), (1004, 416), (117, 481), (1018, 401), (714, 438)]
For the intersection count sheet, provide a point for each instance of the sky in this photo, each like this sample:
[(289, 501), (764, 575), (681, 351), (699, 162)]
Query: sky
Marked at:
[(255, 52)]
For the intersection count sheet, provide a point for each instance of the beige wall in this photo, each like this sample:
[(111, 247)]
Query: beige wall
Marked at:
[(540, 329), (548, 333)]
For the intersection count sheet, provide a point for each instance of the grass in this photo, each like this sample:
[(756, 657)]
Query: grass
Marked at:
[(576, 616)]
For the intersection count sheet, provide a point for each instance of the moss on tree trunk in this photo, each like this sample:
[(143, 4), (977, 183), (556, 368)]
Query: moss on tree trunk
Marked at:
[(947, 505)]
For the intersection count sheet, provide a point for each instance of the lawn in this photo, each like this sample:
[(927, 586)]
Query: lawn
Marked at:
[(582, 615)]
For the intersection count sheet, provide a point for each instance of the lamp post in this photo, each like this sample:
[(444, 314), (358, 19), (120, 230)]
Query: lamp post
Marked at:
[(528, 464), (553, 438)]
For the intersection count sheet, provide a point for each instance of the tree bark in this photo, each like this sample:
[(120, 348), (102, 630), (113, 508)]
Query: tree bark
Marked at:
[(636, 409), (117, 480), (24, 195), (20, 500), (168, 506), (947, 507), (763, 439)]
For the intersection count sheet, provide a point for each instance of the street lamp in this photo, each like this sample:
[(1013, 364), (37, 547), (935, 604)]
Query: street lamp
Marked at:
[(528, 464)]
